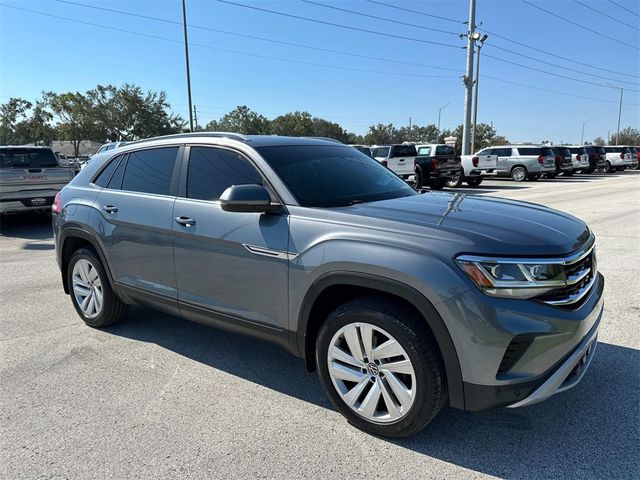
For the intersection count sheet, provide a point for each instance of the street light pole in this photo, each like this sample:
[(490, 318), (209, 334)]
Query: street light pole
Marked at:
[(440, 112), (186, 54), (475, 96), (619, 114), (583, 124), (468, 79)]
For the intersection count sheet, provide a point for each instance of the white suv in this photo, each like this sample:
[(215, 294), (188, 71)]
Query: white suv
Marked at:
[(618, 158), (579, 158), (521, 162)]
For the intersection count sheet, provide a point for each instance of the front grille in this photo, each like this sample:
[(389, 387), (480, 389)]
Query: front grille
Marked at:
[(580, 273)]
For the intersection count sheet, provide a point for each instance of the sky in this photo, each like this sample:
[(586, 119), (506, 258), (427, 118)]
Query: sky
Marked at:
[(66, 47)]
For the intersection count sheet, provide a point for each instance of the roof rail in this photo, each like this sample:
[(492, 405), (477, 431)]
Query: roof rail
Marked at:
[(231, 135), (328, 139)]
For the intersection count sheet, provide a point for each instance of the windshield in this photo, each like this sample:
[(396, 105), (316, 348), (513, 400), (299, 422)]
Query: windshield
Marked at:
[(27, 158), (333, 176)]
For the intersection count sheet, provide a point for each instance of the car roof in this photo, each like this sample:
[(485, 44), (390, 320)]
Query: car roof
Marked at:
[(31, 147), (251, 140)]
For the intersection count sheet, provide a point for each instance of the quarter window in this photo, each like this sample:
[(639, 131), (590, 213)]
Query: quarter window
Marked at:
[(105, 175), (150, 171), (212, 170)]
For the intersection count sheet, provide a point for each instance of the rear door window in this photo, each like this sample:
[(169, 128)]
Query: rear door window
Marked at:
[(501, 152), (27, 158), (150, 171), (445, 150), (404, 151)]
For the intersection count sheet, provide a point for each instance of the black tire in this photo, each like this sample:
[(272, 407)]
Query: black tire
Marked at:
[(454, 182), (436, 184), (410, 330), (418, 180), (474, 181), (534, 177), (519, 174), (113, 309), (568, 173), (608, 168), (549, 175)]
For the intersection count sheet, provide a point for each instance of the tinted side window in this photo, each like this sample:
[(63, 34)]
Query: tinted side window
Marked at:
[(105, 175), (404, 151), (212, 170), (382, 152), (445, 150), (501, 152), (530, 151), (150, 171)]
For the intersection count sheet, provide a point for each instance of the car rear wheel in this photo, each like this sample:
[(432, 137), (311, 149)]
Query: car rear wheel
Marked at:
[(551, 175), (474, 182), (568, 173), (519, 174), (380, 367), (454, 182), (91, 294), (419, 180), (608, 168)]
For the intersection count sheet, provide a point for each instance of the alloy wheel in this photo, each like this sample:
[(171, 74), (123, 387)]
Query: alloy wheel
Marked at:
[(371, 372), (87, 288)]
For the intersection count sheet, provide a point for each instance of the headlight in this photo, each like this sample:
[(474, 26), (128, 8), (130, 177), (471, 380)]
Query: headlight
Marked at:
[(513, 278)]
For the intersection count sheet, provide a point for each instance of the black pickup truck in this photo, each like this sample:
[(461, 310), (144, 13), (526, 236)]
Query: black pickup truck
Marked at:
[(436, 166)]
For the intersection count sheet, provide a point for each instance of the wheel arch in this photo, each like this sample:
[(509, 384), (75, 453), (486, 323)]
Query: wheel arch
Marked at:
[(71, 239), (333, 289)]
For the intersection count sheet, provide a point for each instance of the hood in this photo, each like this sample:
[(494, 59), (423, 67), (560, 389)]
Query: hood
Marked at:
[(494, 225)]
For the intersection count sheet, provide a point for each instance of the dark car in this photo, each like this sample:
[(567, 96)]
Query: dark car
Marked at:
[(564, 166), (597, 158)]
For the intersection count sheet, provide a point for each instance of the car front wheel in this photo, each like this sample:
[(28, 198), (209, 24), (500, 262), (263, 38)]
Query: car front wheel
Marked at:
[(474, 182), (91, 294), (380, 367)]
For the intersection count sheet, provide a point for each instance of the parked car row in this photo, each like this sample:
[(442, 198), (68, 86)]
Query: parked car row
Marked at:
[(437, 165)]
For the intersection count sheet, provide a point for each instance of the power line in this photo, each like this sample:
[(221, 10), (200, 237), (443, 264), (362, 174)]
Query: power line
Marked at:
[(556, 65), (590, 65), (238, 52), (416, 12), (533, 87), (397, 22), (581, 26), (554, 74), (624, 8), (339, 25), (606, 15), (253, 37)]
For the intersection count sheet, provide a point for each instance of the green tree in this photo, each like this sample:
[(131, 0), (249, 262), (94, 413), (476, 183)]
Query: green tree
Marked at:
[(11, 113), (36, 128), (241, 120), (325, 128), (127, 113), (599, 141), (295, 124), (628, 136), (381, 134), (75, 112)]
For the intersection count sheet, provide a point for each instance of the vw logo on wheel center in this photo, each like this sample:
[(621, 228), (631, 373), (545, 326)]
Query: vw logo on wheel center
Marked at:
[(372, 368)]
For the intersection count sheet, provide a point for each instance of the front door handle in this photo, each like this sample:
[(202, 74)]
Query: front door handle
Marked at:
[(110, 208), (186, 221)]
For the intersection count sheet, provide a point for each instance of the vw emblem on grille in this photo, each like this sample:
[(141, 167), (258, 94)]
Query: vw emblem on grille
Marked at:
[(372, 368)]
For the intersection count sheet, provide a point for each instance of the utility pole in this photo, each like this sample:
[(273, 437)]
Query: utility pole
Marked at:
[(475, 96), (582, 137), (619, 114), (186, 54), (468, 79), (409, 124), (195, 116)]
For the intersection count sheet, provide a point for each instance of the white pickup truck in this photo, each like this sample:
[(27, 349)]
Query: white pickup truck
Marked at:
[(397, 158), (475, 166)]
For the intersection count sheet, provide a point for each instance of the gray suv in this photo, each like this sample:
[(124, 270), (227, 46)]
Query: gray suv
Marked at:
[(402, 302)]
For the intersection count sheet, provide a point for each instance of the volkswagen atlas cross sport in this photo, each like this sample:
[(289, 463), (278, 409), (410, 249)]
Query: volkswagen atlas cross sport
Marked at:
[(402, 302)]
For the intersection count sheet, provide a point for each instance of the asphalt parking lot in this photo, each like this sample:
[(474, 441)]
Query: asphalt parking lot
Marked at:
[(157, 396)]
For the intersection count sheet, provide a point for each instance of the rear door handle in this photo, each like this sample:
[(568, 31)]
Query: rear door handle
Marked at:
[(186, 221), (110, 208)]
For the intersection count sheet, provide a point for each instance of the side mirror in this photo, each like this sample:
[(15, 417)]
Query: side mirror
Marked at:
[(246, 198)]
